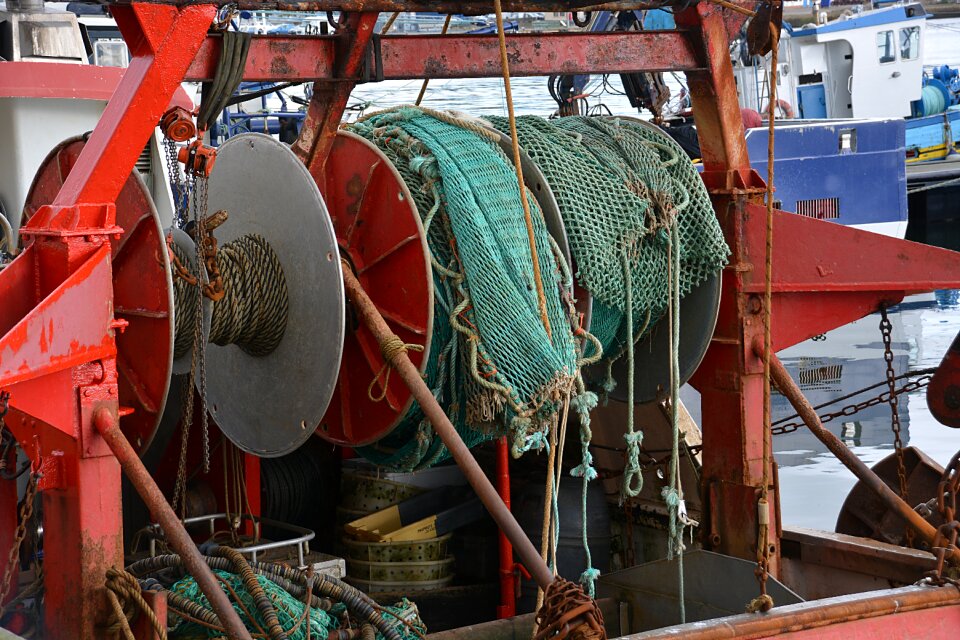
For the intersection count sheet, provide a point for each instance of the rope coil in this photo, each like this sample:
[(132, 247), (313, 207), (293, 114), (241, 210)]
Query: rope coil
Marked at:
[(253, 311)]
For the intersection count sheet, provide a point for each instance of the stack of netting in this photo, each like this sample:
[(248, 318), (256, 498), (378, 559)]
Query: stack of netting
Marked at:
[(493, 366), (628, 198)]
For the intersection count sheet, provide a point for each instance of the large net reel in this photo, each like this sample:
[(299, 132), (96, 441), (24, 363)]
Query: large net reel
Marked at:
[(271, 372), (573, 180)]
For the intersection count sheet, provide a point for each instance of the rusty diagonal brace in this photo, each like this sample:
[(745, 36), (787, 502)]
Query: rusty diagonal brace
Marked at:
[(161, 512), (780, 377), (488, 495)]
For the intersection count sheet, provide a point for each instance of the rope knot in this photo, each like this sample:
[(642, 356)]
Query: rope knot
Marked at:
[(525, 439), (587, 579), (585, 403), (390, 348), (585, 468), (632, 477)]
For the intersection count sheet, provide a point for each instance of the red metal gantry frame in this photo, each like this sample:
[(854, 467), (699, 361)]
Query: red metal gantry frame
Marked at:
[(58, 356)]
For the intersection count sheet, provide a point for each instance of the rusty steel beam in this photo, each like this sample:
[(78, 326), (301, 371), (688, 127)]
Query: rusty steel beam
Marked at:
[(291, 58), (469, 7), (785, 384), (730, 379), (329, 99), (162, 513), (400, 361)]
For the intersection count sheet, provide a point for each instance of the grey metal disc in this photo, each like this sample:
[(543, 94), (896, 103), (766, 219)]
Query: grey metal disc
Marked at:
[(540, 188), (698, 318), (183, 240), (270, 405)]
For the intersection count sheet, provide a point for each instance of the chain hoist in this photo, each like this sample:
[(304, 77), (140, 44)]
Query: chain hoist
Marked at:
[(791, 423), (190, 195), (886, 332)]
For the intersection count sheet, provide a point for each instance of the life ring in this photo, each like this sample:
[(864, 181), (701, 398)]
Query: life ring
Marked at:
[(785, 108)]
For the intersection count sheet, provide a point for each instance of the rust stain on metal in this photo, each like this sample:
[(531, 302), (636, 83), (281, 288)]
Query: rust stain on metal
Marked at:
[(279, 66), (281, 46)]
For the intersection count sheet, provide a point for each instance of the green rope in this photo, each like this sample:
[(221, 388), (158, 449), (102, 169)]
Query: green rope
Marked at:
[(584, 404), (671, 494)]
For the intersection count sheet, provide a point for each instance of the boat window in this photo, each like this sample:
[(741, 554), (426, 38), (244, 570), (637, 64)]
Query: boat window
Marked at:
[(886, 47), (110, 53), (910, 43)]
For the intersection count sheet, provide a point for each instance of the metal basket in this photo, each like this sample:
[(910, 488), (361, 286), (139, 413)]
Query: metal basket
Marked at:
[(368, 493), (401, 571), (430, 550)]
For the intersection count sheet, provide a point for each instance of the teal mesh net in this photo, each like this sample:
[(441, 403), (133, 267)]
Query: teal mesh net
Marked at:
[(291, 612), (620, 184), (493, 365)]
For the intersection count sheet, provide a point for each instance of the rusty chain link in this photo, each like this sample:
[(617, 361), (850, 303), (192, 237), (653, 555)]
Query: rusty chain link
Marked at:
[(791, 423), (26, 514), (886, 333), (197, 375), (947, 534)]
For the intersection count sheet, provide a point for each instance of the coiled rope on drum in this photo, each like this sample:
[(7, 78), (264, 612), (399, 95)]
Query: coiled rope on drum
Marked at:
[(253, 311)]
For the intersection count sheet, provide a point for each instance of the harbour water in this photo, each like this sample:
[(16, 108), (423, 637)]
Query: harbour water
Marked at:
[(813, 483)]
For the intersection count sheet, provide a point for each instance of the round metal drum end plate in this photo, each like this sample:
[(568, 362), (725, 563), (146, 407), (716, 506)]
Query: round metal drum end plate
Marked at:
[(698, 318), (379, 232), (270, 405), (188, 247), (142, 292)]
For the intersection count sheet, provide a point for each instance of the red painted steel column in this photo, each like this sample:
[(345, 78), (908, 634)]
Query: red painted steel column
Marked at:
[(330, 97), (508, 568), (58, 339), (731, 378)]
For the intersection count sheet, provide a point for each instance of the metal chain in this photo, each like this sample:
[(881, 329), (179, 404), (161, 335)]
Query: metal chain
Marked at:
[(200, 216), (198, 206), (886, 331), (923, 379), (26, 514), (948, 491), (179, 184)]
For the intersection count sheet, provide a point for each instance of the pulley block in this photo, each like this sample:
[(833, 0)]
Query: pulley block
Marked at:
[(380, 235), (143, 294)]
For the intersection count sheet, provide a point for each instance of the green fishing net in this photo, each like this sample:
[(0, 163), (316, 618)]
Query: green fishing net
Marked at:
[(291, 612), (492, 365), (620, 184)]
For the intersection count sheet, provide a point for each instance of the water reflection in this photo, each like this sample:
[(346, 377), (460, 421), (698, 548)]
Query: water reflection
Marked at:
[(813, 483)]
